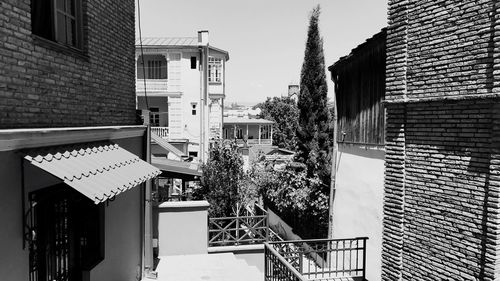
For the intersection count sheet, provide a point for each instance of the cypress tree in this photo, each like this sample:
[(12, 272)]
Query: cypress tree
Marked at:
[(313, 134)]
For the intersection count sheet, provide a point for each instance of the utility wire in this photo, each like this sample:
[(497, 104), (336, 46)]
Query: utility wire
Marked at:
[(142, 52)]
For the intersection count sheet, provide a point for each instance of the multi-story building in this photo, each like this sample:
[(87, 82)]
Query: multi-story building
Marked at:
[(72, 197), (182, 82), (442, 175)]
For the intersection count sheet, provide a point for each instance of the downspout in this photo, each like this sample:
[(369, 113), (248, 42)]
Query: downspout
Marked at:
[(148, 208), (202, 67), (334, 163)]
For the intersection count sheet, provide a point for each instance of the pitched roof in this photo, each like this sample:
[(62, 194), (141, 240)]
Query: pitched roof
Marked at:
[(179, 42), (168, 41)]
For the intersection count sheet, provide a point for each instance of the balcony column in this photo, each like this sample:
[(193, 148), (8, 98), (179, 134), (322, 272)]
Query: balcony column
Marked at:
[(259, 133), (271, 137), (247, 132)]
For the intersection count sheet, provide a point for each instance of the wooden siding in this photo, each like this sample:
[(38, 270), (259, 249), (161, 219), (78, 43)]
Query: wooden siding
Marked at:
[(360, 89)]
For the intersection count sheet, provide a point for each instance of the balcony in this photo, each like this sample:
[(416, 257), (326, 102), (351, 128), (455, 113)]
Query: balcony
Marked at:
[(160, 131), (153, 86), (251, 142)]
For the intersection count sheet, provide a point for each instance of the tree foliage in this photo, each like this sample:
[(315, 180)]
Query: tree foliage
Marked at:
[(296, 198), (222, 181), (313, 134), (284, 112)]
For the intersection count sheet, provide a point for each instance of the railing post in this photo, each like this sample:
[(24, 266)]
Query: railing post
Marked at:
[(237, 229)]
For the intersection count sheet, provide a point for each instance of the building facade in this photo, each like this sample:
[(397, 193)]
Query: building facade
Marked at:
[(182, 82), (441, 210), (71, 207), (359, 186)]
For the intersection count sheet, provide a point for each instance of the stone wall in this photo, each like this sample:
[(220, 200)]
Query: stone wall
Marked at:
[(442, 184), (43, 84)]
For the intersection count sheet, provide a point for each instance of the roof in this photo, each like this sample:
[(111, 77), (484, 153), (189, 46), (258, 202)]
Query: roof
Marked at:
[(177, 169), (379, 36), (168, 41), (176, 42), (235, 120), (99, 172), (166, 145)]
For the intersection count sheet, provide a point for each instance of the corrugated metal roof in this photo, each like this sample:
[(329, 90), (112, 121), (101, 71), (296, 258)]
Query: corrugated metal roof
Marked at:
[(168, 41), (167, 146), (235, 120), (99, 172), (180, 167)]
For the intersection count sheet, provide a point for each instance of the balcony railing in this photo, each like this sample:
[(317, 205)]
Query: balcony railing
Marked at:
[(250, 227), (322, 259), (160, 131), (154, 85), (255, 141)]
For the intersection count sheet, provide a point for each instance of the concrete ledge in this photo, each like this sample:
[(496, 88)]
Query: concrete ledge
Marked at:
[(183, 206), (237, 249)]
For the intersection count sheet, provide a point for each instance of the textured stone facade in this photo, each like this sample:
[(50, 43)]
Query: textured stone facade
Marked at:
[(43, 84), (442, 178)]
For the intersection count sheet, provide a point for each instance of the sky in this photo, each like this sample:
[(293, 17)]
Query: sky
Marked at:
[(265, 38)]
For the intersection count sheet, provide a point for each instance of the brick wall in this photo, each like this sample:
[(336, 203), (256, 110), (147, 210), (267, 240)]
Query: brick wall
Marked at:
[(442, 179), (42, 85)]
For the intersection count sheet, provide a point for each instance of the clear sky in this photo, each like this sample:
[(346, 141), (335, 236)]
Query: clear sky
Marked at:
[(265, 38)]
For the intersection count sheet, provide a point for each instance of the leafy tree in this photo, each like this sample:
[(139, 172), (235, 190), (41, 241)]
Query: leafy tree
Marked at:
[(296, 198), (313, 140), (283, 111), (222, 180)]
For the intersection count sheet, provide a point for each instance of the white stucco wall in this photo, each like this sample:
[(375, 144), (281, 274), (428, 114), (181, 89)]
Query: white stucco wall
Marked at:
[(182, 228), (359, 201)]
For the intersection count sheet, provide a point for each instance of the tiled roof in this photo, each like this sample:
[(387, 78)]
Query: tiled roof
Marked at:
[(99, 172), (168, 41)]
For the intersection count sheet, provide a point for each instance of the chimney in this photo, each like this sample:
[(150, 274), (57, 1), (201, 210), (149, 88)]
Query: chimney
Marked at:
[(293, 90), (203, 37)]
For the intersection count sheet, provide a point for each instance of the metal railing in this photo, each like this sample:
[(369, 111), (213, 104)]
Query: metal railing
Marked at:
[(276, 268), (250, 227), (320, 259), (160, 131)]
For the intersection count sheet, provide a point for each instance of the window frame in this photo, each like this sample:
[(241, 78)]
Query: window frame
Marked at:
[(53, 37), (215, 70)]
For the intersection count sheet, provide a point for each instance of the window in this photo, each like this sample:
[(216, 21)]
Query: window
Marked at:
[(193, 62), (193, 154), (153, 67), (68, 234), (58, 21), (193, 109), (154, 116), (214, 70)]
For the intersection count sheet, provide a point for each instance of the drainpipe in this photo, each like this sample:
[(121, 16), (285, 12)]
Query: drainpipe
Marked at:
[(148, 208), (203, 47)]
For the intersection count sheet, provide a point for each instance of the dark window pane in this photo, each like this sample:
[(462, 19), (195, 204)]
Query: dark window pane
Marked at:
[(60, 5), (193, 62), (42, 18), (61, 29), (70, 7)]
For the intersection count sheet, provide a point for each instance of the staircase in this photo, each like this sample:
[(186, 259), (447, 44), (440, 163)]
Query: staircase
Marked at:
[(206, 267)]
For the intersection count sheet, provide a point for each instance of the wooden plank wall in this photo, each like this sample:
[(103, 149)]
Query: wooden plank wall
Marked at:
[(360, 89)]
